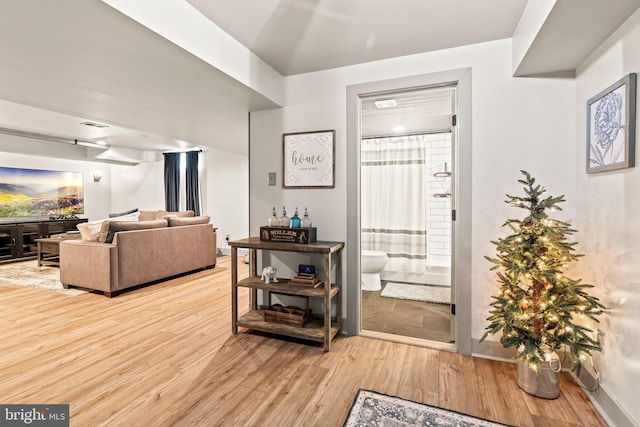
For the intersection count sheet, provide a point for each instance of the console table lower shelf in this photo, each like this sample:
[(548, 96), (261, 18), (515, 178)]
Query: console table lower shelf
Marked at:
[(312, 331)]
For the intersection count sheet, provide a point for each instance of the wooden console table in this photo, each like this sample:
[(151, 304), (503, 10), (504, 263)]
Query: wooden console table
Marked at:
[(18, 239), (321, 332)]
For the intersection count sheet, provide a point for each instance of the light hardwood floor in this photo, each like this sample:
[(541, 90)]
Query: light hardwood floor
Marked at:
[(164, 355)]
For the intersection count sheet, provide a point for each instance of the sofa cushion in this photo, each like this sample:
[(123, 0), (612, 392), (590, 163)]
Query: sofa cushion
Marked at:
[(90, 231), (179, 221), (110, 228), (182, 214), (147, 215), (104, 231), (112, 215), (151, 215)]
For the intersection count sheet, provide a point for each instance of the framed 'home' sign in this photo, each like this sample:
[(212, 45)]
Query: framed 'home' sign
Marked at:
[(308, 159)]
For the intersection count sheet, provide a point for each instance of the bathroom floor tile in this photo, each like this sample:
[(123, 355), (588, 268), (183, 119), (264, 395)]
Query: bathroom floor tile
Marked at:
[(408, 318)]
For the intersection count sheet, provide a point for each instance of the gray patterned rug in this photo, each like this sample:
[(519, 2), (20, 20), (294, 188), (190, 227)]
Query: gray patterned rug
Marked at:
[(374, 409), (28, 273)]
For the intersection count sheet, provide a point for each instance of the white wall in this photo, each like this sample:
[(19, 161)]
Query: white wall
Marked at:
[(206, 40), (518, 123), (225, 194), (607, 209), (532, 20), (140, 186), (327, 207), (96, 194)]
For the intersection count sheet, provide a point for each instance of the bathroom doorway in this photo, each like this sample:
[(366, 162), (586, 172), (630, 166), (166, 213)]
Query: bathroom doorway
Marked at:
[(407, 177)]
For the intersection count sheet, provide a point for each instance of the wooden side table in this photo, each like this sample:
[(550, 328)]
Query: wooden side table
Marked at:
[(324, 330), (49, 248)]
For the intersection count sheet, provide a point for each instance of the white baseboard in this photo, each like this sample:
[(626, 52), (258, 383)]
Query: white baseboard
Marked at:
[(227, 251)]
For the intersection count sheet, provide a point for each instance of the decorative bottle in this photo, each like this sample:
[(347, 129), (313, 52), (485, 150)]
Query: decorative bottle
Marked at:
[(306, 220), (284, 219), (273, 219), (295, 220)]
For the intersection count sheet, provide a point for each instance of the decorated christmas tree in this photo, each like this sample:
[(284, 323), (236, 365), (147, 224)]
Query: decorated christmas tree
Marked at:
[(537, 306)]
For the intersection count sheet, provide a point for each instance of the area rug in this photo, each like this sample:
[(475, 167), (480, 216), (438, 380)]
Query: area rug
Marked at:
[(374, 409), (437, 294), (29, 274)]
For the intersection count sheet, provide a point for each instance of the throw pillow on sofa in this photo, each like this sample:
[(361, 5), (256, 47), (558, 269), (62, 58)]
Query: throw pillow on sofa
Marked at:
[(113, 215), (178, 221), (90, 231), (110, 228)]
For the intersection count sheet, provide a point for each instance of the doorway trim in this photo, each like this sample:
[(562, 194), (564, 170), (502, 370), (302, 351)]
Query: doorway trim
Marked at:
[(461, 269)]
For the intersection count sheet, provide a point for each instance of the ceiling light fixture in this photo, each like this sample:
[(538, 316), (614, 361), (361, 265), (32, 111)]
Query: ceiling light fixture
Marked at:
[(51, 138), (385, 103), (90, 144)]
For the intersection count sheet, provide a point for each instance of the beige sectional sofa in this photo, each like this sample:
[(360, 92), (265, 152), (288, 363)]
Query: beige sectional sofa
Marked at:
[(131, 253)]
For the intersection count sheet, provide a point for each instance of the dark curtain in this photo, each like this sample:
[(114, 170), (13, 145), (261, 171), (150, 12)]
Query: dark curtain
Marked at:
[(172, 181), (193, 188)]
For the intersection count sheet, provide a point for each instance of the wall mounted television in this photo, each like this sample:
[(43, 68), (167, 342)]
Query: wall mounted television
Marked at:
[(36, 192)]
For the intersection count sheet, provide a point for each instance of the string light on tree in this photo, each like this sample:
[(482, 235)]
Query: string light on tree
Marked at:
[(530, 270)]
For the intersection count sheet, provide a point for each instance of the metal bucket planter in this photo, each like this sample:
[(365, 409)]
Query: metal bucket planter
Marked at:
[(543, 382)]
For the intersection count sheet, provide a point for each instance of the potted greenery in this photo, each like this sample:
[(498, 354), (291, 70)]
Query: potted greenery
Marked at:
[(537, 307)]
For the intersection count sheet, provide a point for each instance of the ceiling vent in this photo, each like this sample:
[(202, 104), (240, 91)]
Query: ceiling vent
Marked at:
[(95, 125)]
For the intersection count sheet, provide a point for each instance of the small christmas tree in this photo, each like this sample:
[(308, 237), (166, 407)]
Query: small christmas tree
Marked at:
[(537, 304)]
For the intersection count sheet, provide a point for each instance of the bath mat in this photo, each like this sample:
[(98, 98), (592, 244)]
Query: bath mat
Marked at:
[(437, 294), (29, 274), (375, 409)]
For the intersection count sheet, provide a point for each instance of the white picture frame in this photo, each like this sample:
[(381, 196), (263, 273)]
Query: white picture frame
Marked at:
[(308, 159), (611, 127)]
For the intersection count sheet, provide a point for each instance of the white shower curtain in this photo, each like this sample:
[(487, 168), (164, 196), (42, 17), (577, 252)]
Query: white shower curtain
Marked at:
[(393, 205)]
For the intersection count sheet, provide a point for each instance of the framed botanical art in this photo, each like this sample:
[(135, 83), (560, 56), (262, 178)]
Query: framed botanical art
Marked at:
[(308, 159), (611, 127)]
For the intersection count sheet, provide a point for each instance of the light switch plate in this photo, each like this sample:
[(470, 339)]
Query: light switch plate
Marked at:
[(272, 178)]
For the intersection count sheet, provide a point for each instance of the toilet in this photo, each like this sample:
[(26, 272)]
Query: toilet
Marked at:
[(372, 263)]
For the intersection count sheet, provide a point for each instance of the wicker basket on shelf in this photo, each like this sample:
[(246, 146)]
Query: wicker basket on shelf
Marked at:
[(289, 315)]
